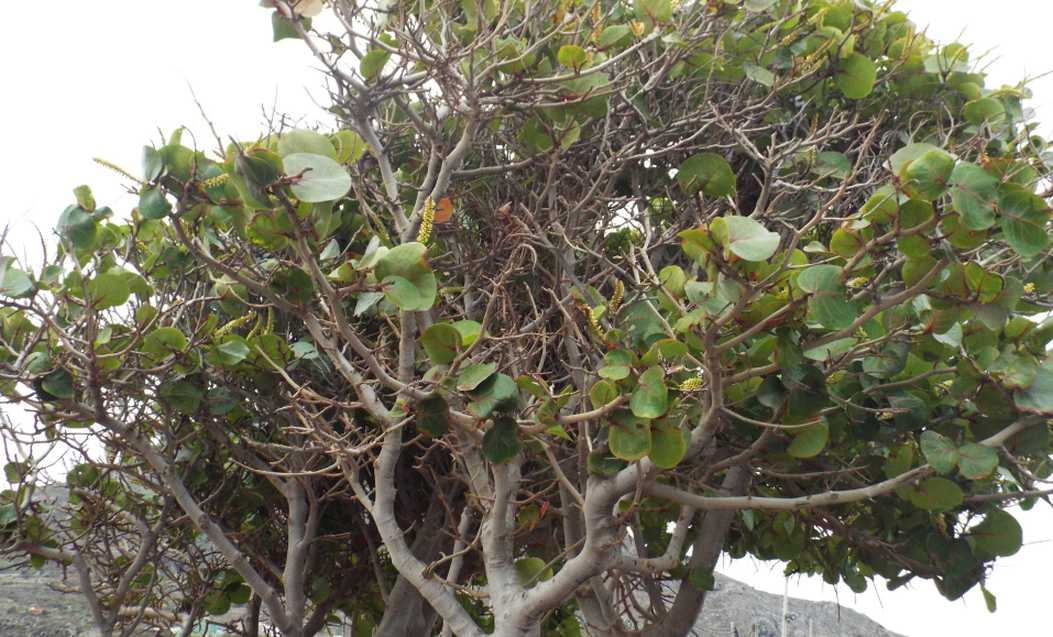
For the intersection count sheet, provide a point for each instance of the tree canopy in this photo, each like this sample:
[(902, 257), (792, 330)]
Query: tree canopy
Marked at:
[(572, 298)]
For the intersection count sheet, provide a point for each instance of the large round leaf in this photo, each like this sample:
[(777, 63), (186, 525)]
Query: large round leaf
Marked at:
[(936, 494), (974, 193), (1024, 218), (856, 75), (320, 178), (650, 399), (441, 342), (977, 461), (668, 445), (940, 451), (473, 375), (998, 535), (708, 172), (629, 437), (305, 141), (432, 415), (810, 441), (928, 175), (109, 289), (745, 238), (500, 442), (497, 393)]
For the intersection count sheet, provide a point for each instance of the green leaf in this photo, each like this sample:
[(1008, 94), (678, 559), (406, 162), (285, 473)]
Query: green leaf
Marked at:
[(927, 176), (182, 396), (940, 451), (989, 599), (305, 141), (810, 442), (152, 163), (629, 437), (469, 331), (974, 193), (164, 341), (411, 285), (78, 227), (473, 375), (613, 36), (999, 535), (58, 383), (759, 74), (531, 570), (1024, 217), (433, 415), (602, 393), (84, 198), (441, 342), (572, 56), (15, 283), (349, 146), (1038, 398), (984, 109), (856, 75), (232, 351), (746, 238), (977, 461), (650, 399), (617, 365), (668, 445), (820, 278), (321, 179), (109, 289), (602, 464), (708, 172), (656, 10), (282, 28), (153, 204), (500, 442), (936, 494), (373, 63), (497, 393), (889, 361), (901, 159)]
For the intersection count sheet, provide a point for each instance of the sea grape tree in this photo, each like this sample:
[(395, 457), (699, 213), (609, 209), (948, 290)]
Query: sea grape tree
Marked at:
[(572, 298)]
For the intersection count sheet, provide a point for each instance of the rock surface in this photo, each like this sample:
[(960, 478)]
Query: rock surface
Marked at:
[(752, 613), (30, 606)]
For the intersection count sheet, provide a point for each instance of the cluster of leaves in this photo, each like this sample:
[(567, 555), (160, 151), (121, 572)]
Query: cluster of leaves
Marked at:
[(792, 238)]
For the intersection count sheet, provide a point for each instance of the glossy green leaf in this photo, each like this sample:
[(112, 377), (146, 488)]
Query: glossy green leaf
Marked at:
[(668, 444), (940, 451), (810, 441), (650, 399), (164, 341), (319, 178), (432, 415), (856, 75), (746, 238), (59, 384), (15, 283), (501, 442), (182, 396), (655, 10), (572, 56), (984, 109), (998, 535), (936, 494), (373, 63), (1024, 219), (928, 176), (109, 289), (473, 375), (497, 393), (305, 141), (441, 342), (629, 437), (1038, 398), (974, 193), (707, 172), (78, 227), (977, 461)]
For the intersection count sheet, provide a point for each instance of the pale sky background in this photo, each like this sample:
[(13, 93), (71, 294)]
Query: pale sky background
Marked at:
[(99, 78)]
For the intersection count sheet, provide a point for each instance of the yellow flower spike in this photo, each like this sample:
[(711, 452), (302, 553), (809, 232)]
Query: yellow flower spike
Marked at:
[(213, 182), (594, 319), (1029, 287), (117, 169), (857, 282), (426, 221), (233, 325), (617, 297), (691, 384)]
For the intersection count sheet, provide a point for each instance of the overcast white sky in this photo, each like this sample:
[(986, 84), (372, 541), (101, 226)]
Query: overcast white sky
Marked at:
[(85, 79)]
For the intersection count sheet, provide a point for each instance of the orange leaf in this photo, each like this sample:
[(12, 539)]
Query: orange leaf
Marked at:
[(443, 210)]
